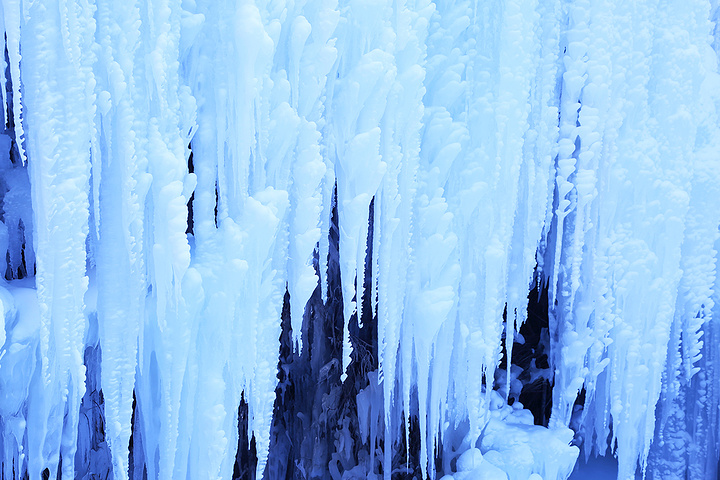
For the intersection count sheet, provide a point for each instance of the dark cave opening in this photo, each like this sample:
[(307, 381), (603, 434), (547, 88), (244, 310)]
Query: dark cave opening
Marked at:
[(530, 355)]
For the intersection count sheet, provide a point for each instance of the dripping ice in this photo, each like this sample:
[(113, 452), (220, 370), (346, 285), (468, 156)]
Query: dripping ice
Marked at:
[(341, 239)]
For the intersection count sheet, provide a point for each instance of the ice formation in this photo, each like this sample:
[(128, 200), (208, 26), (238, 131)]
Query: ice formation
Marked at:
[(197, 194)]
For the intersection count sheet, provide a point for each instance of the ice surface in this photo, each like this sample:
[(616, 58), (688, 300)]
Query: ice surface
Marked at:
[(172, 171)]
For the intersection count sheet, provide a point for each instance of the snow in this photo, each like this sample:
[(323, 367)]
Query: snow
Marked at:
[(194, 192)]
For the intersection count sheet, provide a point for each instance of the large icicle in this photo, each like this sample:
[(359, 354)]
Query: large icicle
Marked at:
[(12, 18), (482, 190), (123, 182), (400, 147), (59, 109), (365, 77), (167, 120), (583, 117)]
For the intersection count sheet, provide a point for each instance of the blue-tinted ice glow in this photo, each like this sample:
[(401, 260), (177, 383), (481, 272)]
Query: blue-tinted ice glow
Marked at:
[(503, 145)]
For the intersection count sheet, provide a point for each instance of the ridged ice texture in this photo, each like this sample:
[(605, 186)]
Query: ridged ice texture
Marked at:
[(578, 136)]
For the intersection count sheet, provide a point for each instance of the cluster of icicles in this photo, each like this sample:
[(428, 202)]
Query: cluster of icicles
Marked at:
[(575, 139)]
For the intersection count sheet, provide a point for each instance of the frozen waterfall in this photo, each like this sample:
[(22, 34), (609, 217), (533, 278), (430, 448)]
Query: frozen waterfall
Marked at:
[(359, 239)]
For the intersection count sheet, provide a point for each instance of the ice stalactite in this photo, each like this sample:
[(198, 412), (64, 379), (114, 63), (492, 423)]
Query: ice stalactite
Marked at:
[(360, 93), (120, 188), (12, 14), (58, 106)]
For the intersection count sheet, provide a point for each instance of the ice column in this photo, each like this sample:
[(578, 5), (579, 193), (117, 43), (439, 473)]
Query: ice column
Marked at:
[(59, 108)]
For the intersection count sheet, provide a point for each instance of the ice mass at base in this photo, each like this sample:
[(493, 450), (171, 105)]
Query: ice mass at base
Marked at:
[(359, 239)]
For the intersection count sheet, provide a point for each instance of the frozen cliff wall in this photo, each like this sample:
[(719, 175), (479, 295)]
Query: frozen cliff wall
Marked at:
[(230, 226)]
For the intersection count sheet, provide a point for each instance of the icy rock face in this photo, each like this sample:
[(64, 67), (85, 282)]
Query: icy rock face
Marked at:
[(173, 173)]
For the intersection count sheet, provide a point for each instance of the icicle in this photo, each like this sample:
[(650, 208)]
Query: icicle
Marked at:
[(12, 20), (304, 232), (360, 96), (587, 70), (3, 66), (119, 253), (59, 104)]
